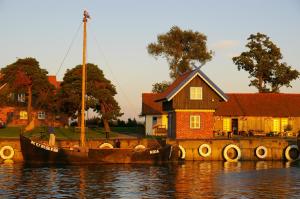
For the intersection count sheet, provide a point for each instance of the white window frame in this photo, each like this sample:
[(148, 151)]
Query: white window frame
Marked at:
[(41, 115), (195, 122), (23, 115), (21, 97), (196, 93)]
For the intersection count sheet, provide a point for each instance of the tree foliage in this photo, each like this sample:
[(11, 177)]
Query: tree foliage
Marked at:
[(160, 86), (26, 76), (100, 93), (182, 49), (263, 63)]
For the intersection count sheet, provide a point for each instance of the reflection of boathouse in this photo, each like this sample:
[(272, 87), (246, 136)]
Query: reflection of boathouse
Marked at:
[(194, 107)]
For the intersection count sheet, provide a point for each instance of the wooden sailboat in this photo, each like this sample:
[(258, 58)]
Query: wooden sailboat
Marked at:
[(36, 152)]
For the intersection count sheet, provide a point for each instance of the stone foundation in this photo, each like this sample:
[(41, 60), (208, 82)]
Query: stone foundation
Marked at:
[(275, 147)]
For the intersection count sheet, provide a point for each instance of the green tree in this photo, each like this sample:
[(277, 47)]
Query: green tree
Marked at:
[(182, 49), (100, 94), (263, 63), (26, 76), (160, 86)]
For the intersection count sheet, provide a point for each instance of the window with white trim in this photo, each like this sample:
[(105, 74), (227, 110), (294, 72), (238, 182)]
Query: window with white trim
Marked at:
[(23, 115), (195, 121), (41, 115), (196, 93), (21, 97)]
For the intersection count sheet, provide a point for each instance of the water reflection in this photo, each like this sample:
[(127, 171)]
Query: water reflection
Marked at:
[(261, 179)]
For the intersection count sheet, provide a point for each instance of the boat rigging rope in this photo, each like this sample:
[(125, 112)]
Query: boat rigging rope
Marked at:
[(69, 49), (113, 76), (65, 56)]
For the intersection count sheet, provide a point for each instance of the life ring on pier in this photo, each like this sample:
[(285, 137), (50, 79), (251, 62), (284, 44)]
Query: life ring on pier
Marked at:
[(10, 154), (181, 152), (106, 146), (238, 151), (264, 152), (287, 153), (204, 153)]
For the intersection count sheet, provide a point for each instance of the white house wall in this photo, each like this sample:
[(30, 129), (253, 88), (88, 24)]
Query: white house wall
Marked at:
[(148, 124)]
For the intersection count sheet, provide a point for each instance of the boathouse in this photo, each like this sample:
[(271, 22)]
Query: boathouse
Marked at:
[(174, 113), (188, 106), (259, 114)]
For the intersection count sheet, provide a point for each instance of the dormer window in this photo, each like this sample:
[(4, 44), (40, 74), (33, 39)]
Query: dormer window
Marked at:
[(41, 115), (21, 97), (196, 93)]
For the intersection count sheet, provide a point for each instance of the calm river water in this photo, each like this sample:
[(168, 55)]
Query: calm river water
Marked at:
[(187, 180)]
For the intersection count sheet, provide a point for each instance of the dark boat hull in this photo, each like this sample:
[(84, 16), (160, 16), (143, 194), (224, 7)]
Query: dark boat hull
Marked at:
[(36, 153)]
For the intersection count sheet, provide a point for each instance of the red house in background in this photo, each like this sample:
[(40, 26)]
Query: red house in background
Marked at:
[(189, 102), (17, 116)]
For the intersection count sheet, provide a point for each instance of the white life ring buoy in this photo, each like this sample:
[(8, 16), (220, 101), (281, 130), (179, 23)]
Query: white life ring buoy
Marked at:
[(139, 147), (204, 146), (287, 152), (238, 150), (182, 152), (10, 155), (264, 154), (106, 146)]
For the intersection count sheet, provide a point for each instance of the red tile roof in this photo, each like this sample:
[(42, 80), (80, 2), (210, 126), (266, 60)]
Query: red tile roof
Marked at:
[(175, 84), (241, 104), (260, 104), (149, 106), (181, 81), (53, 81)]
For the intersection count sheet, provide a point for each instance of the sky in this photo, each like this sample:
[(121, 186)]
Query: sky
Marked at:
[(119, 32)]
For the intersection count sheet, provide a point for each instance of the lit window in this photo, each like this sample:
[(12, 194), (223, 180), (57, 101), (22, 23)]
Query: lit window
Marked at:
[(195, 121), (226, 124), (196, 93), (23, 115), (21, 97), (276, 126), (284, 124), (41, 115)]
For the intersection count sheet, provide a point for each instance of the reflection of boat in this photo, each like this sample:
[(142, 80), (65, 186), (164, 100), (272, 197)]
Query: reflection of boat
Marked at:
[(36, 152)]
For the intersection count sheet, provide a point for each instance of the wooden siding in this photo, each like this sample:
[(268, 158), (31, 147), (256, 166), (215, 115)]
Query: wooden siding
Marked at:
[(210, 99)]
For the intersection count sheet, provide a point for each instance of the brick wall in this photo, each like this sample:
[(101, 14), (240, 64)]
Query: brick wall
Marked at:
[(16, 121), (4, 111), (183, 130)]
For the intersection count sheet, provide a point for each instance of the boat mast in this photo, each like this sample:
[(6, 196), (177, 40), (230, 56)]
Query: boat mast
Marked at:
[(82, 130)]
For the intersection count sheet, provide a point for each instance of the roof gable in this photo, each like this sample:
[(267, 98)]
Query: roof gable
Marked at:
[(183, 80)]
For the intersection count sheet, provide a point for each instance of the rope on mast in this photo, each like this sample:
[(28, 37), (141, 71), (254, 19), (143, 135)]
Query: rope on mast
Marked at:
[(113, 76), (69, 49)]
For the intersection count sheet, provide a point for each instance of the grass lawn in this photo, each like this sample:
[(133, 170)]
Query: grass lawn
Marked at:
[(73, 133), (10, 132)]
